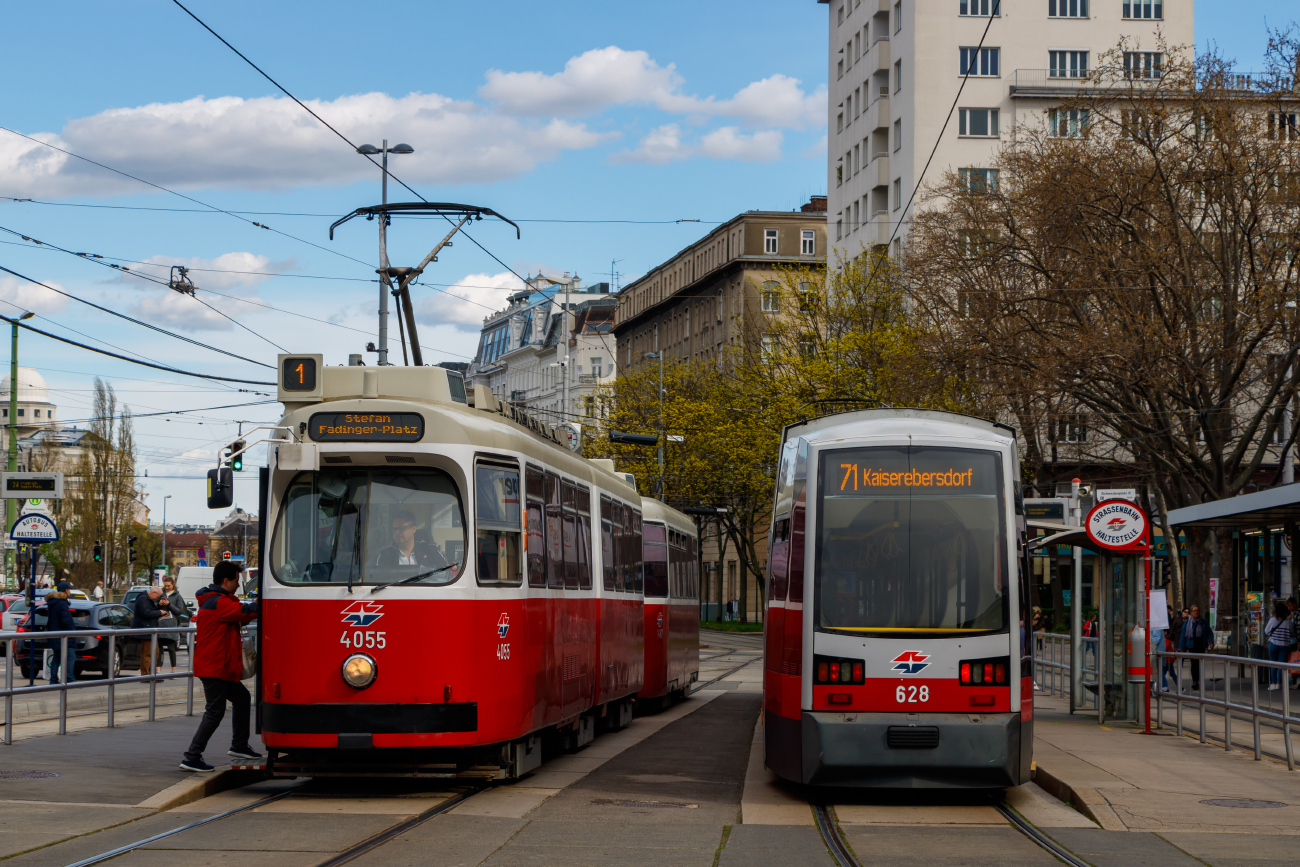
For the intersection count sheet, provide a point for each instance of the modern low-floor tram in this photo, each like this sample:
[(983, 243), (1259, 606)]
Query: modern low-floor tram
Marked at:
[(446, 585), (895, 646)]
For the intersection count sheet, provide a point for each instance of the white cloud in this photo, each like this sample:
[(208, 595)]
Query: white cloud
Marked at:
[(270, 143), (665, 144), (174, 310), (29, 296), (817, 150), (475, 296), (606, 77)]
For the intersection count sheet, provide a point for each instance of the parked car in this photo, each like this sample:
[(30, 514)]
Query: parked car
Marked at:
[(91, 652), (16, 611)]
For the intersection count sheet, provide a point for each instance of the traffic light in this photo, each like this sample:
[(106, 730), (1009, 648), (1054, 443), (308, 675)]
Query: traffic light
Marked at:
[(99, 552), (225, 555), (130, 544), (236, 455)]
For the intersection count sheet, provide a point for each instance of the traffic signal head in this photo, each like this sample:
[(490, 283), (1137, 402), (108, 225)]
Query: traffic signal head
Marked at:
[(236, 455), (130, 540), (130, 555), (99, 552)]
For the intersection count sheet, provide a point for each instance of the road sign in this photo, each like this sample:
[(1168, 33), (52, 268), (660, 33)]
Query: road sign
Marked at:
[(1117, 525), (20, 486), (27, 507), (34, 529)]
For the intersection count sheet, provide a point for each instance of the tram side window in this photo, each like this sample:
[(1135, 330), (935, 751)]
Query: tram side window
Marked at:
[(694, 550), (619, 545), (583, 502), (536, 541), (572, 540), (656, 560), (496, 490), (629, 550), (554, 534), (607, 541), (638, 568)]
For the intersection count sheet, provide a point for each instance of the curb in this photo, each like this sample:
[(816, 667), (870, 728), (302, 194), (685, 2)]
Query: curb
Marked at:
[(1085, 799), (191, 790)]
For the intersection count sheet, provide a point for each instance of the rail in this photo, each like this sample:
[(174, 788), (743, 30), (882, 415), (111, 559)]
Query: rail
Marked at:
[(111, 681), (1052, 666)]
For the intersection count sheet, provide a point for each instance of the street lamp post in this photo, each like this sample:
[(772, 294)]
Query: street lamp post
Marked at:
[(384, 286), (164, 544), (11, 506), (660, 355)]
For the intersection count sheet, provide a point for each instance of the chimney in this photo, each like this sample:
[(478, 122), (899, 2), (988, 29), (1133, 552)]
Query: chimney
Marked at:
[(816, 204)]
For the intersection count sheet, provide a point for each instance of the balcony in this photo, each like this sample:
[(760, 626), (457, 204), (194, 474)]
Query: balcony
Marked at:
[(877, 172), (1049, 82), (878, 56), (878, 113)]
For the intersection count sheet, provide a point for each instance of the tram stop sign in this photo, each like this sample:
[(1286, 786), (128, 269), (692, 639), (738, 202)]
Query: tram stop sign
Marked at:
[(34, 528), (1117, 525)]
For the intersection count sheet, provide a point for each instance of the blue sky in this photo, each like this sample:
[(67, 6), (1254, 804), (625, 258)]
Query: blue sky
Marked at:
[(653, 112)]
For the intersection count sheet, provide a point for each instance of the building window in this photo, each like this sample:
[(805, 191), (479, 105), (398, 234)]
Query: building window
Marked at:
[(979, 61), (1071, 429), (1067, 64), (857, 162), (898, 133), (841, 69), (978, 181), (807, 243), (982, 8), (898, 193), (805, 297), (1143, 64), (597, 367), (1067, 8), (857, 216), (37, 413), (1153, 9), (977, 122), (771, 297), (898, 76), (839, 235), (1067, 123), (807, 346), (769, 240), (898, 16), (1282, 126), (841, 14), (21, 412), (769, 348)]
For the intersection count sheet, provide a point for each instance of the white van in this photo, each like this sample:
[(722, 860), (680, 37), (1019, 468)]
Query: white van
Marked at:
[(190, 580)]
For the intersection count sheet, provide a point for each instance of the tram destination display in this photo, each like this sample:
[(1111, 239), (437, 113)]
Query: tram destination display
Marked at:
[(362, 427), (298, 373)]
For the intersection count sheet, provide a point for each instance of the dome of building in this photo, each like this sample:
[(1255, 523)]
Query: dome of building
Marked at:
[(31, 387)]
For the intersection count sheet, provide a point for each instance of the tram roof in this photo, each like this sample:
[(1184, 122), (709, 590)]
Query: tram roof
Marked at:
[(1275, 507), (886, 414)]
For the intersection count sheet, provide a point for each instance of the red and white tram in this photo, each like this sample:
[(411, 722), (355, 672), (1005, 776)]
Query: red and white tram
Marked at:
[(895, 647), (446, 585), (672, 602)]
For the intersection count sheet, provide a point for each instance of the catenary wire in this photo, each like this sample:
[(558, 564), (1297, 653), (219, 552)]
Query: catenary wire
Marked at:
[(348, 141), (131, 360)]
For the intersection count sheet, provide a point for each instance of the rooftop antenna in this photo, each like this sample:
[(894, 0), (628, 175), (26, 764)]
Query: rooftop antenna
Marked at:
[(613, 274)]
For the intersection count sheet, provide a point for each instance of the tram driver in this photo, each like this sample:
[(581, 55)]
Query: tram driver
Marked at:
[(406, 549)]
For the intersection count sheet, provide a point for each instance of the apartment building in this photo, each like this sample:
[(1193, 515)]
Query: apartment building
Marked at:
[(698, 301), (551, 340), (896, 67)]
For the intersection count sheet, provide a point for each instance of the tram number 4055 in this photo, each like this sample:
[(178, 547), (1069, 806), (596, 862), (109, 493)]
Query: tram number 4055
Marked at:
[(362, 639), (912, 694)]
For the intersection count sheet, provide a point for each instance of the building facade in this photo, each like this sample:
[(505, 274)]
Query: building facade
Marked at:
[(896, 66), (550, 349), (699, 301)]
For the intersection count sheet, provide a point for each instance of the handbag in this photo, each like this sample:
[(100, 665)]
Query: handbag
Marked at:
[(1294, 657)]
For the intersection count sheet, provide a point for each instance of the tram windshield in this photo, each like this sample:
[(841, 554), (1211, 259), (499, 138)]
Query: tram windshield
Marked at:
[(911, 539), (369, 527)]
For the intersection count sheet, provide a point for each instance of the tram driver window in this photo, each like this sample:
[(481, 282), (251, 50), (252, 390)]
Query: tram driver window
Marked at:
[(369, 527), (496, 494)]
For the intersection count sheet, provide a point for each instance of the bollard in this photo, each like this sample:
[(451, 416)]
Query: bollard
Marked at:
[(1227, 711), (1200, 691), (9, 692), (63, 684), (1254, 706), (153, 679), (1286, 719)]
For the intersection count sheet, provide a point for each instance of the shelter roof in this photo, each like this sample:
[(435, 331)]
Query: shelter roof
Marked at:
[(1274, 507)]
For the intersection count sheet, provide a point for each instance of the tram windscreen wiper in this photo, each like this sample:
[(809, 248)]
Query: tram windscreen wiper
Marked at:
[(412, 579)]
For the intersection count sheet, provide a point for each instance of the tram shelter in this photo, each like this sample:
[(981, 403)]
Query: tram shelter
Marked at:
[(1263, 526), (1108, 670)]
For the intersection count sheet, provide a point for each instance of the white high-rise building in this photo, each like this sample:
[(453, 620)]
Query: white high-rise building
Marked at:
[(896, 67)]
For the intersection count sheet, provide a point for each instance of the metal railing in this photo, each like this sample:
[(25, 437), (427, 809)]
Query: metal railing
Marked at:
[(1258, 714), (41, 641), (1052, 666)]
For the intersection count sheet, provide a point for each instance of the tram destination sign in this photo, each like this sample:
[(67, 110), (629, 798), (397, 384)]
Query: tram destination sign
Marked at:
[(366, 427)]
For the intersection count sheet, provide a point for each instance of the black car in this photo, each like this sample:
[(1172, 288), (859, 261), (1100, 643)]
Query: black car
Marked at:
[(91, 652)]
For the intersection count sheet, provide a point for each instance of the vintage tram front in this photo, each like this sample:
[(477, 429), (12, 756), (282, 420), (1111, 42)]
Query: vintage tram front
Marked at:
[(445, 584), (896, 652)]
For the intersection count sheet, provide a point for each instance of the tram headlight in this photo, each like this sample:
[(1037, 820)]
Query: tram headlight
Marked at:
[(359, 670)]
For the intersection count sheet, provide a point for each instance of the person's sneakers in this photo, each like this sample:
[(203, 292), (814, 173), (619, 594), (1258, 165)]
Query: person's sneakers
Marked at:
[(197, 766), (245, 753)]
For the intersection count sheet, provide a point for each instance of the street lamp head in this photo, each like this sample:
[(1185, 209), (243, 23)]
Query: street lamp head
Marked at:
[(27, 315), (401, 149), (368, 150), (651, 355)]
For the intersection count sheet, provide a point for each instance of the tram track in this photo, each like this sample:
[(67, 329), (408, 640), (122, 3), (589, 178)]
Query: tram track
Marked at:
[(843, 854)]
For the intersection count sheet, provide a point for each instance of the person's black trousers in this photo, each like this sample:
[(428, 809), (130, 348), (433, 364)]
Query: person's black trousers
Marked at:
[(216, 692)]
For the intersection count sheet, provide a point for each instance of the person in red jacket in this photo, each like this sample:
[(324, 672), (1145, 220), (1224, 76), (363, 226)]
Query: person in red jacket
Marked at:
[(218, 661)]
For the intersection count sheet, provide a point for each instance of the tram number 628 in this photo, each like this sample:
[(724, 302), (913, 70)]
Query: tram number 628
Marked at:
[(364, 639), (912, 694)]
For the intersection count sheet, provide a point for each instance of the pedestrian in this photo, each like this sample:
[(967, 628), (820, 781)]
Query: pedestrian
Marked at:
[(1197, 637), (1278, 633), (58, 619), (98, 592), (218, 661), (176, 609), (150, 607), (1170, 667)]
